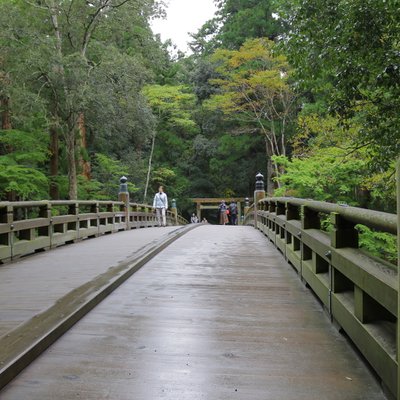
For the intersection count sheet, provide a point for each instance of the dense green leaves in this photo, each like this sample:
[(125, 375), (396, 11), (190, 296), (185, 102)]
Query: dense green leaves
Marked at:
[(254, 91), (245, 19), (91, 81), (347, 52), (21, 164), (327, 175), (235, 22)]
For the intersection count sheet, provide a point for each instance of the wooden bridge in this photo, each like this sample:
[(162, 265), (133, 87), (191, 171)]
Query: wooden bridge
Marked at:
[(284, 311)]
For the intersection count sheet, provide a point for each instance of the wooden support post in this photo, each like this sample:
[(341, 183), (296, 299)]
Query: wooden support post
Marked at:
[(344, 233), (398, 275), (45, 212), (292, 212), (366, 309), (73, 209), (309, 218), (259, 194), (6, 238), (123, 195), (95, 209), (280, 208), (271, 207)]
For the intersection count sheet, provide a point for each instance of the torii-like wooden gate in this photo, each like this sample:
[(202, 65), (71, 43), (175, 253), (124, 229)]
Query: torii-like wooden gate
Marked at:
[(213, 203)]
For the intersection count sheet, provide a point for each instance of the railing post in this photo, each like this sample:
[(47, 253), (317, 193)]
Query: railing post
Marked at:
[(174, 211), (280, 208), (344, 233), (45, 212), (309, 218), (123, 195), (246, 205), (398, 275), (73, 209), (259, 194), (6, 238), (292, 212)]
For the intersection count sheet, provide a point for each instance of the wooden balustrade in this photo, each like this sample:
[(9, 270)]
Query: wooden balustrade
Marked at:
[(28, 227), (358, 291)]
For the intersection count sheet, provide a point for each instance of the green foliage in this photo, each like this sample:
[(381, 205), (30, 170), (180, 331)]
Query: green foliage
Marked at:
[(173, 105), (24, 154), (235, 22), (117, 114), (163, 176), (347, 53), (379, 244), (218, 116), (26, 183), (327, 175), (253, 82), (83, 58), (105, 183), (254, 93), (245, 19), (24, 148), (323, 150)]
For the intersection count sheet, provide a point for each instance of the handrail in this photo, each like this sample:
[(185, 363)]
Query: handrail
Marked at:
[(382, 221), (358, 291), (31, 226)]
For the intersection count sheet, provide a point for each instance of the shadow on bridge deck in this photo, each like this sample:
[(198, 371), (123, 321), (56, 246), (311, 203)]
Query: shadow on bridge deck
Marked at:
[(218, 314)]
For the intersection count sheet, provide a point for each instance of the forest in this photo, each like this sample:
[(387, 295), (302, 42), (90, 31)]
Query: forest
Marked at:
[(305, 91)]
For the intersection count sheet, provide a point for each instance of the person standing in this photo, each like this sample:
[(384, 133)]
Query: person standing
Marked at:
[(223, 217), (233, 211), (160, 204)]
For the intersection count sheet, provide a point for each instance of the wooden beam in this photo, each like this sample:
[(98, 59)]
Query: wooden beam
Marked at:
[(200, 200)]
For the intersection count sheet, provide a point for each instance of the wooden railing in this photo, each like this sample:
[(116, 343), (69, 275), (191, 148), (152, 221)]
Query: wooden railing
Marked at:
[(28, 227), (359, 291)]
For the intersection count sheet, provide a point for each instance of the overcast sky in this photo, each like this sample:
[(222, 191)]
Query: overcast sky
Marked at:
[(183, 16)]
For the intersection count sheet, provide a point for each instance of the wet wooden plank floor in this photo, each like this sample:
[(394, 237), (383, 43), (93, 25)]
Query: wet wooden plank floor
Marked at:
[(216, 315), (34, 283)]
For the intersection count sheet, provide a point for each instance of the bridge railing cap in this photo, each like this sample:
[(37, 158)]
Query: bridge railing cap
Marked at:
[(379, 220)]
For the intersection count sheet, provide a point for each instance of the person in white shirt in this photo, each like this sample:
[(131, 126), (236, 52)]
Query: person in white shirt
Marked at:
[(160, 204)]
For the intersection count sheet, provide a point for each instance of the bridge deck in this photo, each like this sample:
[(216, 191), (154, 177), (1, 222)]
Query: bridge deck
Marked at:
[(216, 315), (35, 283)]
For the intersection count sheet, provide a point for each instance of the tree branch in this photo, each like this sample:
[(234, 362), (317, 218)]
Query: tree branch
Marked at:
[(120, 4), (36, 5)]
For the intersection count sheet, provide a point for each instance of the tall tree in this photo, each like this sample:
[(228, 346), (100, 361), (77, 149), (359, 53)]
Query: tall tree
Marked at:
[(235, 22), (66, 45), (255, 91), (173, 107), (348, 52), (245, 19)]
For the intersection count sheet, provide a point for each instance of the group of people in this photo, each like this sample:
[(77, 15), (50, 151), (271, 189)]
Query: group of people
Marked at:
[(195, 220), (227, 214)]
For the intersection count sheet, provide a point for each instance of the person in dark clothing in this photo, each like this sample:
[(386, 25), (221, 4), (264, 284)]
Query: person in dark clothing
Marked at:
[(233, 211)]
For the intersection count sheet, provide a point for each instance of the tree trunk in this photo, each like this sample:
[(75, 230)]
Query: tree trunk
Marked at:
[(83, 164), (270, 170), (153, 141), (71, 160), (5, 113), (54, 162)]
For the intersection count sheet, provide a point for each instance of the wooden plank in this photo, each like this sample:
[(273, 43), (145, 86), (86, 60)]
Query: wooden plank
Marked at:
[(217, 315)]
